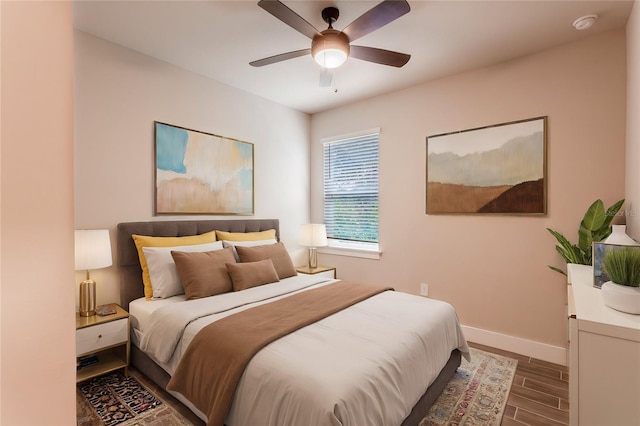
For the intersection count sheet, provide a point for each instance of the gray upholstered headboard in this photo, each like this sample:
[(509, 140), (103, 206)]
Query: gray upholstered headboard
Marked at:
[(131, 286)]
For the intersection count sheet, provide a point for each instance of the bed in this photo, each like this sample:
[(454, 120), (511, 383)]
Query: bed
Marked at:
[(264, 393)]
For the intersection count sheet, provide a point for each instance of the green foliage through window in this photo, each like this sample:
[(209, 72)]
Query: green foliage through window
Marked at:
[(351, 188)]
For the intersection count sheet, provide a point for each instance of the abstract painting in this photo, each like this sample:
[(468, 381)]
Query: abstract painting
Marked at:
[(498, 169), (202, 173)]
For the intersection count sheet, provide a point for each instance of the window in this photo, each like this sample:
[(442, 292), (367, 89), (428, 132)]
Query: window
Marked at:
[(351, 190)]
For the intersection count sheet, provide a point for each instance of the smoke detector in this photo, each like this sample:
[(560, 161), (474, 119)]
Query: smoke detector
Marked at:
[(585, 22)]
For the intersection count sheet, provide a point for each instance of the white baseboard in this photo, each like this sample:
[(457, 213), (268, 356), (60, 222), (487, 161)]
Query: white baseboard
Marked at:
[(542, 351)]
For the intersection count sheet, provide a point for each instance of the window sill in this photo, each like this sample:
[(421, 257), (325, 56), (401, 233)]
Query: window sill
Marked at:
[(344, 248)]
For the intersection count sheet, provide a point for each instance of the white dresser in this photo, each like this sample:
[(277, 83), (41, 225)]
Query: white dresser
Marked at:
[(604, 357)]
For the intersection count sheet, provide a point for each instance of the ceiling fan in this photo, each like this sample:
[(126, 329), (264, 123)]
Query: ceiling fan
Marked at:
[(331, 48)]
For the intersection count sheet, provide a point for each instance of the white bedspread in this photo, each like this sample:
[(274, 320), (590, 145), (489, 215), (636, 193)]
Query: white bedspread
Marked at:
[(366, 365), (167, 324)]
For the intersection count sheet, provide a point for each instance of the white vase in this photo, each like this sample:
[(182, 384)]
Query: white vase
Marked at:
[(619, 236), (621, 297)]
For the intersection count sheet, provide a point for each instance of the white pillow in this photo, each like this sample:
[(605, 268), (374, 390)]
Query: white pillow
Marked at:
[(165, 280), (227, 243)]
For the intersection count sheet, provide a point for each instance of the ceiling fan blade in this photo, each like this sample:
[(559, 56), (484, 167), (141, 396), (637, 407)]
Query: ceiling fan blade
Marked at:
[(377, 17), (289, 17), (380, 56), (326, 77), (279, 58)]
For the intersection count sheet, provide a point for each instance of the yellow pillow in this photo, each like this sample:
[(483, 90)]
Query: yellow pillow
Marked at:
[(148, 241), (247, 236)]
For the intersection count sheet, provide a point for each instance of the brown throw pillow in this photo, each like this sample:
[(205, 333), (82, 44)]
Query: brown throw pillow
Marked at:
[(252, 274), (204, 274), (276, 252)]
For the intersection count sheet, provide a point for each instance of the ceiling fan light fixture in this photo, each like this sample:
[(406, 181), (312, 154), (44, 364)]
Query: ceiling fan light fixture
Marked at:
[(331, 49), (330, 58)]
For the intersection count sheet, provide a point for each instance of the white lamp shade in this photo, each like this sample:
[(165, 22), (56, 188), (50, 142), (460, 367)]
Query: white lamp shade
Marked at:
[(93, 249), (313, 235)]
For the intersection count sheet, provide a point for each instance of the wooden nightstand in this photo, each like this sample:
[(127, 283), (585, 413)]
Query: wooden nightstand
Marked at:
[(106, 337), (326, 271)]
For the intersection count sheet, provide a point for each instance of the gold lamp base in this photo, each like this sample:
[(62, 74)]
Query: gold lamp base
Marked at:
[(87, 298), (313, 258)]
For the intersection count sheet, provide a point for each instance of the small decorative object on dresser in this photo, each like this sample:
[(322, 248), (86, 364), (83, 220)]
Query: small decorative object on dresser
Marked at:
[(92, 251), (619, 236), (622, 266), (109, 309), (102, 343), (617, 240)]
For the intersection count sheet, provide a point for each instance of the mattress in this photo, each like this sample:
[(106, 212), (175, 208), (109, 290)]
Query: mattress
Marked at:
[(368, 364)]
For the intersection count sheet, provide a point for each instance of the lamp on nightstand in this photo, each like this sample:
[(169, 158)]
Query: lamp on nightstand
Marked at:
[(313, 235), (93, 251)]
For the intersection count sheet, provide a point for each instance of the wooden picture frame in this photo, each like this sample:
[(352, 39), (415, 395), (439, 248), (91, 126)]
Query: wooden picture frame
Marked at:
[(498, 169), (202, 173)]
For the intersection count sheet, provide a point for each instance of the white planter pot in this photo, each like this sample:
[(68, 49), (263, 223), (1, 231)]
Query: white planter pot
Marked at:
[(621, 297)]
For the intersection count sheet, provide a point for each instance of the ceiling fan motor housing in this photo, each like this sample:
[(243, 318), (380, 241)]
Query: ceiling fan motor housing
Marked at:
[(331, 48), (330, 15)]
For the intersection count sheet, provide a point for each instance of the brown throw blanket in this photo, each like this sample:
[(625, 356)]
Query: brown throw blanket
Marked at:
[(212, 365)]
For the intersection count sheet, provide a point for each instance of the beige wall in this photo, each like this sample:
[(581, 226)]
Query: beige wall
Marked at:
[(632, 186), (491, 268), (118, 95), (36, 306)]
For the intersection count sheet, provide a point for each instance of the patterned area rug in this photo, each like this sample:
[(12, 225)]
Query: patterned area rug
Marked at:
[(477, 393), (113, 399)]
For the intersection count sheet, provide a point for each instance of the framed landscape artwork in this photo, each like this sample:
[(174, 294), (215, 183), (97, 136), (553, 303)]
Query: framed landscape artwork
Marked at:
[(499, 169), (202, 173)]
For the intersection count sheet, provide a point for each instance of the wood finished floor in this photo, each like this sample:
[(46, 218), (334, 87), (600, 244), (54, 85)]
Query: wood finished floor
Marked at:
[(539, 395)]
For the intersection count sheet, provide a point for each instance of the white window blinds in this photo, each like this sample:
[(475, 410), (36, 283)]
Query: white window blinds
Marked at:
[(351, 188)]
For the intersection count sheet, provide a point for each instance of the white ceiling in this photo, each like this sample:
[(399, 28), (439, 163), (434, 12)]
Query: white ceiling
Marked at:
[(218, 39)]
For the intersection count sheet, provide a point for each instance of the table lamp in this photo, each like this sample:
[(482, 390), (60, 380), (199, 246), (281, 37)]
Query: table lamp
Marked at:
[(313, 235), (92, 251)]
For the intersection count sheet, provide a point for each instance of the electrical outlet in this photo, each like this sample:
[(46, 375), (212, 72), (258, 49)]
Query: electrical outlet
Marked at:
[(424, 289)]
